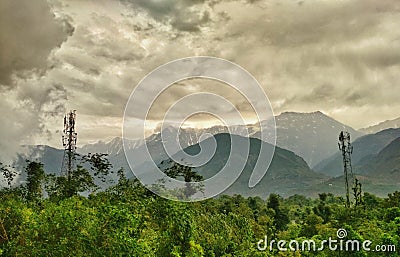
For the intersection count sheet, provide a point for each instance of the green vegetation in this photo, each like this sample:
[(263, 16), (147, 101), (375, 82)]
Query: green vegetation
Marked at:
[(129, 220)]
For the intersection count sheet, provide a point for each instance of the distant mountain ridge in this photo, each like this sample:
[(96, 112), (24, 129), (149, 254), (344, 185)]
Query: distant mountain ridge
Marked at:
[(112, 147), (381, 126), (310, 135), (313, 136)]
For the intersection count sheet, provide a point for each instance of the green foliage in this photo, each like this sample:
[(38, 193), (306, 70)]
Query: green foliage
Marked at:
[(129, 220), (393, 199), (281, 218), (35, 177), (79, 180), (322, 209)]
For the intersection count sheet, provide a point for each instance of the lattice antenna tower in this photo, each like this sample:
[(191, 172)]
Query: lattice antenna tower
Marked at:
[(347, 149), (69, 138)]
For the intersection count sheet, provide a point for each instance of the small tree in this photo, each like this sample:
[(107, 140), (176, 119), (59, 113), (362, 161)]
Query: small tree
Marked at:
[(188, 174), (393, 199), (281, 218), (322, 209), (80, 179), (35, 176)]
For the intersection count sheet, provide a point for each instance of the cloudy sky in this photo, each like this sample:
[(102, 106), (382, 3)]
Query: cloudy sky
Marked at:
[(339, 57)]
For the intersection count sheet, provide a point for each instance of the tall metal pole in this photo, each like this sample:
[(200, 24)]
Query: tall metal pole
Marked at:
[(347, 149), (69, 142)]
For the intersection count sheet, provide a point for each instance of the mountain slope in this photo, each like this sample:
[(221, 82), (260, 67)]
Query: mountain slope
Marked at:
[(52, 161), (51, 157), (385, 165), (380, 173), (288, 173), (362, 148), (313, 136)]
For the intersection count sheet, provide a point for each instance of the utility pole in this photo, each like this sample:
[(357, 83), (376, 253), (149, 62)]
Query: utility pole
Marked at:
[(69, 143)]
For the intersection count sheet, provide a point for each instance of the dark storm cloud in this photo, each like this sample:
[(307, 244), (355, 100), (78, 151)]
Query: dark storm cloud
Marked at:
[(28, 33)]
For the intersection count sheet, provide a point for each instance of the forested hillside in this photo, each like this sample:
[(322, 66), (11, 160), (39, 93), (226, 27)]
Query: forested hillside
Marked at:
[(129, 220)]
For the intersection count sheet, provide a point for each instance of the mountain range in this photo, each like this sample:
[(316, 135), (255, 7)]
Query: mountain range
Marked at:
[(312, 136), (304, 140)]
